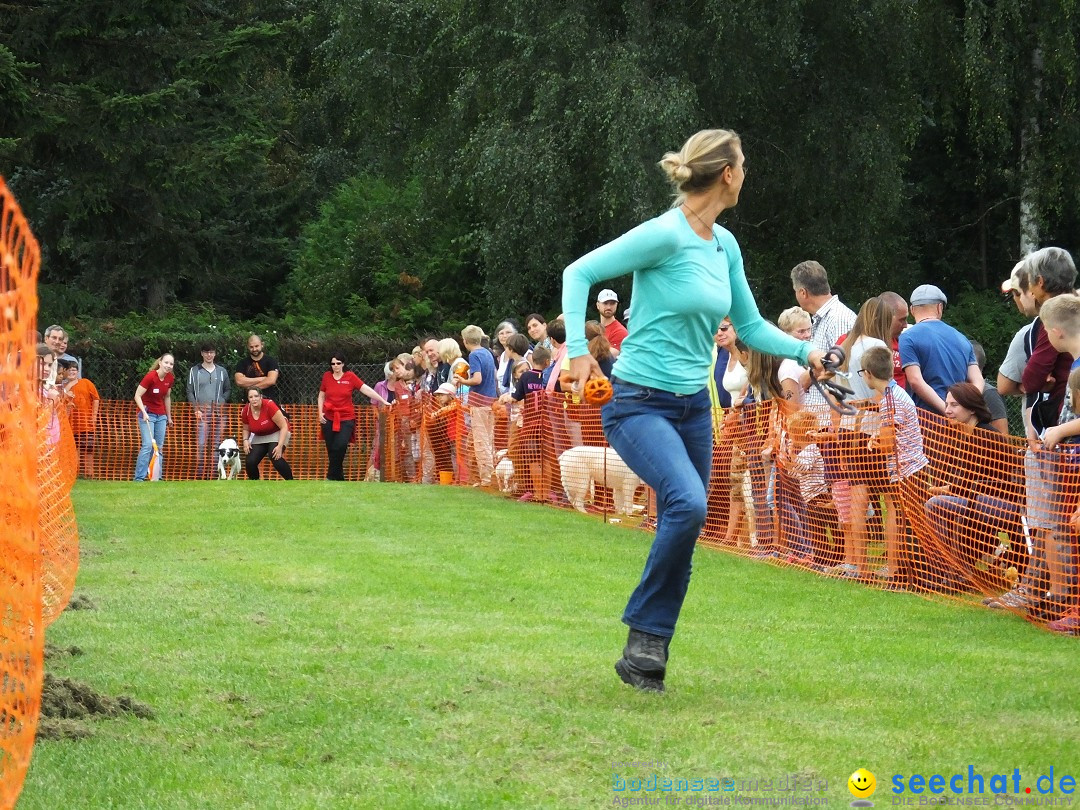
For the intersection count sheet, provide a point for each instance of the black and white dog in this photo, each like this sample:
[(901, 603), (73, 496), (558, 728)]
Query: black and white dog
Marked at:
[(228, 460)]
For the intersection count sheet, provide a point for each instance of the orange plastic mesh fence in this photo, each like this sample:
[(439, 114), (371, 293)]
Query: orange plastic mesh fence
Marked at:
[(109, 452), (902, 499), (59, 537), (852, 497), (21, 630)]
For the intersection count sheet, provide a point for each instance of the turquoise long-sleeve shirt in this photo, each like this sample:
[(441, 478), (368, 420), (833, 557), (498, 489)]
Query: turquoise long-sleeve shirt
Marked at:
[(683, 288)]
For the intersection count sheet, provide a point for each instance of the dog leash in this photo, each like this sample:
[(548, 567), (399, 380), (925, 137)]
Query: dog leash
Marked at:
[(832, 390)]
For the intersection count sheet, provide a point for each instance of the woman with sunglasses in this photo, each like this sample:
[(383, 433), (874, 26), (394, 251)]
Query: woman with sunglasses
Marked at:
[(688, 274), (337, 413), (734, 382)]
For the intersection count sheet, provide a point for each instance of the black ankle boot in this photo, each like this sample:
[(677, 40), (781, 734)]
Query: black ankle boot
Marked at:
[(644, 661)]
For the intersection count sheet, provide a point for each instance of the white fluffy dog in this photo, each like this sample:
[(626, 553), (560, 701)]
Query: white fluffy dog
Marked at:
[(504, 471), (228, 460), (583, 467)]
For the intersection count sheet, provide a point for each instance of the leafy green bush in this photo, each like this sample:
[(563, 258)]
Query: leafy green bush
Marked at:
[(182, 329), (984, 316), (374, 258)]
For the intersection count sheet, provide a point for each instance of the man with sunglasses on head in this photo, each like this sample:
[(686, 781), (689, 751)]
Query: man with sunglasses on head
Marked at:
[(258, 370), (1011, 371), (899, 306)]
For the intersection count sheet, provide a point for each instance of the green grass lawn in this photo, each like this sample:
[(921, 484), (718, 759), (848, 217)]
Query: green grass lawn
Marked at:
[(342, 645)]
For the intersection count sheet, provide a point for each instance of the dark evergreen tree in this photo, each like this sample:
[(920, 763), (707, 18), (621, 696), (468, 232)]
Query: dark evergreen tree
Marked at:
[(153, 154)]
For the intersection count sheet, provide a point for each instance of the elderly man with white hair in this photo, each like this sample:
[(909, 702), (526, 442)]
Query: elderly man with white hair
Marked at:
[(1043, 275), (933, 354)]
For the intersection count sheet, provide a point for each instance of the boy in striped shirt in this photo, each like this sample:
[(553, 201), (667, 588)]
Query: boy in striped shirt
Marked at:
[(900, 438)]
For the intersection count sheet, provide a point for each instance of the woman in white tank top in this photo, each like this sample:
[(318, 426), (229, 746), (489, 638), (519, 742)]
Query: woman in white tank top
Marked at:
[(735, 379), (735, 382)]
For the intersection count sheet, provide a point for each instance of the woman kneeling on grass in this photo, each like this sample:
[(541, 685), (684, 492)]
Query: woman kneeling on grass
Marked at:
[(265, 431), (688, 275)]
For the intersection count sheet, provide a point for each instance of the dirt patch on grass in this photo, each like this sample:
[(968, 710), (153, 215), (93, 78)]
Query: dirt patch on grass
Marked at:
[(67, 706), (80, 601), (56, 651)]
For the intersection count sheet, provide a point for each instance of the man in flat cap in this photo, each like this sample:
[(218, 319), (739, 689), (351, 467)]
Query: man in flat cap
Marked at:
[(935, 355)]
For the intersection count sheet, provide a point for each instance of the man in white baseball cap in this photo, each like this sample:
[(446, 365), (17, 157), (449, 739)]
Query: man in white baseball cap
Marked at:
[(606, 304)]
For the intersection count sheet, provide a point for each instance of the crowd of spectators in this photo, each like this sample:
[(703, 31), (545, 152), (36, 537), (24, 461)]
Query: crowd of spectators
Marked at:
[(791, 475), (858, 493)]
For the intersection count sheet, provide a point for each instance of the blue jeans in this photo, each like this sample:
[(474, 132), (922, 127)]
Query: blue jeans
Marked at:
[(761, 493), (795, 520), (208, 433), (667, 440), (969, 527), (152, 430)]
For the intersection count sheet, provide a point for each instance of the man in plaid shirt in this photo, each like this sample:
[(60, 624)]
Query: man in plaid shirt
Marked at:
[(830, 319)]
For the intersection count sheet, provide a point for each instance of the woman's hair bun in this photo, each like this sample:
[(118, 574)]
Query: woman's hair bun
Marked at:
[(675, 169), (701, 161)]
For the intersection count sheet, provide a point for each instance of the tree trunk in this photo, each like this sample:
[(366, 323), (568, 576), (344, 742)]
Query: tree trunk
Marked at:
[(157, 294), (1029, 136)]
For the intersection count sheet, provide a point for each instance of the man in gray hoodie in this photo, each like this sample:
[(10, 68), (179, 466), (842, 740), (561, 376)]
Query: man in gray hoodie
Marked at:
[(207, 390)]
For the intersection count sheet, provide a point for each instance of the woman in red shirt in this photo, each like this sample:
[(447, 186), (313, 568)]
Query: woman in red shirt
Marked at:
[(337, 414), (154, 402), (265, 432)]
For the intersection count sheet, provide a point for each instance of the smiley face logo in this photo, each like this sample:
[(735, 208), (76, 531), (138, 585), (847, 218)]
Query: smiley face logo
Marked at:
[(862, 784)]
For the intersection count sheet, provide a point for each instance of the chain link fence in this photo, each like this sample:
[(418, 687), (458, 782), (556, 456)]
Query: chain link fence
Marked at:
[(298, 382)]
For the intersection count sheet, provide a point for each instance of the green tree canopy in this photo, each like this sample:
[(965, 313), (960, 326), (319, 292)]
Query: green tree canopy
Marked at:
[(399, 164), (152, 150)]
